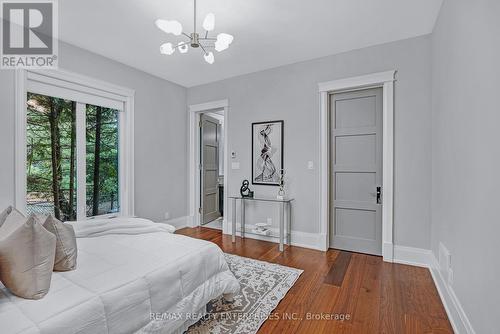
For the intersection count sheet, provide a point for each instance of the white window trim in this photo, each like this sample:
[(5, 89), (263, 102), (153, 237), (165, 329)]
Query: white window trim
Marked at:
[(85, 85), (386, 81)]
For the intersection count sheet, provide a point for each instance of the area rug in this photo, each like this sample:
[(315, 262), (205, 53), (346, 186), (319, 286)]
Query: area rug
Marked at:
[(262, 286)]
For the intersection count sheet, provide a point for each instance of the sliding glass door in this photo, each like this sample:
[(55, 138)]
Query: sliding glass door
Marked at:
[(102, 150), (51, 156), (72, 157)]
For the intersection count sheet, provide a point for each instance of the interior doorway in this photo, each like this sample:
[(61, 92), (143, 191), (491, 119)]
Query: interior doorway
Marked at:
[(207, 205), (385, 81)]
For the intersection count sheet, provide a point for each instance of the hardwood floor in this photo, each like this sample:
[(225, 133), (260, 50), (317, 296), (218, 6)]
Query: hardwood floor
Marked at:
[(373, 296)]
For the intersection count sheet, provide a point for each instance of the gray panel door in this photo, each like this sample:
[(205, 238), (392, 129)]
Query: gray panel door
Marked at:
[(356, 171), (209, 169)]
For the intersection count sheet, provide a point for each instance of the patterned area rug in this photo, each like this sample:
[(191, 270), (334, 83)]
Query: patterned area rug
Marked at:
[(263, 285)]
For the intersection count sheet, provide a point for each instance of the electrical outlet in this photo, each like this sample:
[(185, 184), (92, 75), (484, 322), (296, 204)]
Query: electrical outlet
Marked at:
[(269, 221), (450, 276), (167, 215)]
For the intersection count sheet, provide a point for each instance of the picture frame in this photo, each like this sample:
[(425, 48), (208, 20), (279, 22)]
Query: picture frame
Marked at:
[(267, 152)]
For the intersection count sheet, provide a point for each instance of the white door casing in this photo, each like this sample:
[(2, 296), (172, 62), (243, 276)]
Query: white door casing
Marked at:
[(194, 179), (386, 81)]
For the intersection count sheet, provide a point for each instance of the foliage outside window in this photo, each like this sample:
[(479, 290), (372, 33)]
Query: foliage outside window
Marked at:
[(51, 169)]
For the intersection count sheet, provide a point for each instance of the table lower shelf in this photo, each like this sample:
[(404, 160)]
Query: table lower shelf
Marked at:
[(273, 236)]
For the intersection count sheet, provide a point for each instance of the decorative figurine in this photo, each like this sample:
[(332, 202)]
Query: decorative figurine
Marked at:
[(281, 191), (244, 190)]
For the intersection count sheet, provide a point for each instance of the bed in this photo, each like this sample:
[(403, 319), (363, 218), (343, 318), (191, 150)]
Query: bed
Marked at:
[(133, 276)]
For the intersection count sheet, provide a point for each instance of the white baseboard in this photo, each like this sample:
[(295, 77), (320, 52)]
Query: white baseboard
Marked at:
[(426, 258), (298, 238), (412, 256), (458, 318), (388, 251), (179, 222)]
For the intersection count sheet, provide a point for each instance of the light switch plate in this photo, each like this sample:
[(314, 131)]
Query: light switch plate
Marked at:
[(310, 165), (235, 165)]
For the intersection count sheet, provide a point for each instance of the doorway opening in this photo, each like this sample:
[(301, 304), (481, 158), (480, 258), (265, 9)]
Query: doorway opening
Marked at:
[(385, 81), (208, 164)]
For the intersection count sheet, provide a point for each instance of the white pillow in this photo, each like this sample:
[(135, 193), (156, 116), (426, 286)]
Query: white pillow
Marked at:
[(27, 252), (4, 215), (66, 251)]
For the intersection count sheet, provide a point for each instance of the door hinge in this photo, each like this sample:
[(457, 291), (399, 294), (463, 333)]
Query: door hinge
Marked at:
[(200, 210), (199, 123)]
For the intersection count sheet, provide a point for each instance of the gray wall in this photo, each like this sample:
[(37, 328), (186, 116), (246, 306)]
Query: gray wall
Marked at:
[(160, 127), (466, 152), (290, 93)]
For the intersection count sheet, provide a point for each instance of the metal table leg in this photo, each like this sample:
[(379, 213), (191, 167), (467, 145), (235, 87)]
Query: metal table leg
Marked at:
[(282, 225), (233, 222), (242, 218), (289, 227)]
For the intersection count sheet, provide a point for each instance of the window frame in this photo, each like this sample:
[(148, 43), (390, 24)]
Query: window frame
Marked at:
[(86, 88)]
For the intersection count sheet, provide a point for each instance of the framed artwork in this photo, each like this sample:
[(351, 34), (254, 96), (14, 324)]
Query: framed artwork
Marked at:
[(267, 152)]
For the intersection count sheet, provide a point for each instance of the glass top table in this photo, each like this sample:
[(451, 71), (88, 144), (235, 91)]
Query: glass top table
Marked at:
[(282, 203), (263, 199)]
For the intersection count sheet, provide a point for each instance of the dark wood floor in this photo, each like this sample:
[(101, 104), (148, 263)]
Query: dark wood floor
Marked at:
[(378, 297)]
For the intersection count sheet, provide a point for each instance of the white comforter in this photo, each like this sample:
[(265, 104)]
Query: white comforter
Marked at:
[(127, 269)]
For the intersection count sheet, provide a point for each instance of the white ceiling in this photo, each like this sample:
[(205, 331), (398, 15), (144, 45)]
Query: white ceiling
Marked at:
[(267, 33)]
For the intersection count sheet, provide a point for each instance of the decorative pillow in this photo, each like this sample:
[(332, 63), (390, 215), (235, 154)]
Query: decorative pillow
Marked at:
[(66, 251), (12, 218), (27, 252), (4, 215)]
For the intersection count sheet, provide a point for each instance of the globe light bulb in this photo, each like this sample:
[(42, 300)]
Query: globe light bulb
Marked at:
[(170, 27), (167, 49), (183, 47), (223, 41), (220, 46), (209, 22), (209, 57), (225, 38)]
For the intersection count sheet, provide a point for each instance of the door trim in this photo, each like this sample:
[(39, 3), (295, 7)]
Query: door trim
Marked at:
[(385, 80), (194, 179)]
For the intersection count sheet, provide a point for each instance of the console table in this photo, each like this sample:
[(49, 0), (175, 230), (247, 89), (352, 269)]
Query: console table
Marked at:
[(282, 203)]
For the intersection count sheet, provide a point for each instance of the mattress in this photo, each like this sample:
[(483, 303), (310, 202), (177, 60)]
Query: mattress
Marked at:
[(133, 276)]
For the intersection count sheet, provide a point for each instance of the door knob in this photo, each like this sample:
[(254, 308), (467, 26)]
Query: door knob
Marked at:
[(379, 193)]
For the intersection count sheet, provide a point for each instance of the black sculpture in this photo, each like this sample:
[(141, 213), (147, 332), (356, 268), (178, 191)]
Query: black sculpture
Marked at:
[(244, 190)]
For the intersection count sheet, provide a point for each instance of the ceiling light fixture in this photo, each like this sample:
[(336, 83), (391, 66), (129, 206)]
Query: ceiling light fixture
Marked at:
[(206, 43)]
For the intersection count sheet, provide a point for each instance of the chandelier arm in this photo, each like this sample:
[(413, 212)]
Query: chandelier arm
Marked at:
[(203, 48), (206, 34), (181, 44), (186, 35), (207, 39)]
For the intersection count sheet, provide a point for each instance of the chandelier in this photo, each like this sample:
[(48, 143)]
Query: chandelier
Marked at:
[(205, 43)]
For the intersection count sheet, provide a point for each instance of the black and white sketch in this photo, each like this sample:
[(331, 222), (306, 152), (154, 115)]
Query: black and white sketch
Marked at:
[(267, 152)]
